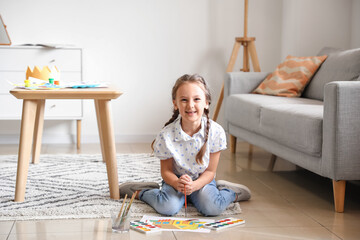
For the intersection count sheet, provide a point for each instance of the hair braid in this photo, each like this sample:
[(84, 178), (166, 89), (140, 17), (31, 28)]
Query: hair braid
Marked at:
[(172, 119), (201, 153)]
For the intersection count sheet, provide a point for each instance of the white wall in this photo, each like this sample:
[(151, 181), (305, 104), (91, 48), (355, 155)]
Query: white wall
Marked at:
[(143, 46), (355, 22), (309, 25)]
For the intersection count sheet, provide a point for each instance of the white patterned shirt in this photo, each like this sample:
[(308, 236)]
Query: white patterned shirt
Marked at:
[(173, 142)]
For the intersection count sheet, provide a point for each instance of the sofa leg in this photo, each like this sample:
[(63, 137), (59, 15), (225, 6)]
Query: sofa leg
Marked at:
[(232, 143), (339, 195), (251, 150), (272, 162)]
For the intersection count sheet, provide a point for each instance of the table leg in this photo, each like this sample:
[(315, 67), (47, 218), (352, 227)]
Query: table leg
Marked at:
[(108, 145), (38, 130), (26, 134), (99, 127)]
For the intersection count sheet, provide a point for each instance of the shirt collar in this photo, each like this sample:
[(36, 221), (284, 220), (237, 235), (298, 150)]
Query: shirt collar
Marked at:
[(180, 135)]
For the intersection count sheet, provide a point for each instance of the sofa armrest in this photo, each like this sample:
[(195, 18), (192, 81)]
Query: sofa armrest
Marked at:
[(242, 82), (341, 130)]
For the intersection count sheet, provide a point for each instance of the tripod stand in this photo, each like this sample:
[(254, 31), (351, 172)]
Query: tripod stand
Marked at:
[(248, 44), (249, 48)]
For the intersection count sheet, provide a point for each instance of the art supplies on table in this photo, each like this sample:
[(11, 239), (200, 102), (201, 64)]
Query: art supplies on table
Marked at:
[(36, 84), (48, 78), (144, 227), (224, 223), (43, 74), (85, 85), (30, 86)]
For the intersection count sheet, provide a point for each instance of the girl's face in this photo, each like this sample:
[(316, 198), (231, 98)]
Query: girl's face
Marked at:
[(191, 102)]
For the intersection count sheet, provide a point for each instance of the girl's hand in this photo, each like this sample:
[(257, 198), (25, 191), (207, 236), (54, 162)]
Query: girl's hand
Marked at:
[(185, 181)]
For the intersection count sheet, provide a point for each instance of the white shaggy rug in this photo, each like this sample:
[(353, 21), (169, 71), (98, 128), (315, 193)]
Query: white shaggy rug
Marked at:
[(76, 186)]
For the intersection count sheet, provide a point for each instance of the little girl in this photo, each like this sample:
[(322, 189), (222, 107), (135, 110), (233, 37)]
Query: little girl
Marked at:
[(189, 148)]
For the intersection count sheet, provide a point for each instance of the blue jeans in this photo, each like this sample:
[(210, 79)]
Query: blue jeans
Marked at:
[(209, 201)]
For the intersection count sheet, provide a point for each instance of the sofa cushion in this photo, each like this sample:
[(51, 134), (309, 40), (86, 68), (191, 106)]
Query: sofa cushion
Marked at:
[(297, 126), (339, 66), (279, 119), (243, 110), (290, 77)]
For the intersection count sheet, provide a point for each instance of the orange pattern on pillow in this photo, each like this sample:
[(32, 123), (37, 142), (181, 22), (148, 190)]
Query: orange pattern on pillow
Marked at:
[(290, 77)]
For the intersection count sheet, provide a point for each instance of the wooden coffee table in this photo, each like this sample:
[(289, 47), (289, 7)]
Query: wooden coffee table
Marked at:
[(32, 122)]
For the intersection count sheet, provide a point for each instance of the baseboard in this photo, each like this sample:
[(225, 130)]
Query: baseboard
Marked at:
[(69, 138)]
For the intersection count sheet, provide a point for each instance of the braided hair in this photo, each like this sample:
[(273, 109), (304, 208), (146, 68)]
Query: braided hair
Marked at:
[(195, 78)]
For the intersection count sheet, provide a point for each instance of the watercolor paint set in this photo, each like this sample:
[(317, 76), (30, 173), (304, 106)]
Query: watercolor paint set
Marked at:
[(224, 223), (144, 227)]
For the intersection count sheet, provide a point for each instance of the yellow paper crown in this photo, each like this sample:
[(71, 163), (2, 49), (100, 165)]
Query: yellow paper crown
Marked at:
[(43, 74)]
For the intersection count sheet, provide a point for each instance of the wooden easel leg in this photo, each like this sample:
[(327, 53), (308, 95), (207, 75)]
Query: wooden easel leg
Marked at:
[(245, 58), (249, 49), (229, 68), (339, 195), (254, 57), (233, 56), (219, 102)]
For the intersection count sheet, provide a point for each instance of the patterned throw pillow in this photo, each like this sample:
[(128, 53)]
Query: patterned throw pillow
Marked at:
[(290, 77)]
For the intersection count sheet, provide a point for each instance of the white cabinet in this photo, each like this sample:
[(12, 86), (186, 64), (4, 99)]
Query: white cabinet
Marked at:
[(13, 64)]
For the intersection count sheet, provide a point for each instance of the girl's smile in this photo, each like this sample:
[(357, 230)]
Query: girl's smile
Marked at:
[(190, 112)]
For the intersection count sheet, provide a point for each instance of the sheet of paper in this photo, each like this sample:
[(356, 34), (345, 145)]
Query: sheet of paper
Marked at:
[(178, 224)]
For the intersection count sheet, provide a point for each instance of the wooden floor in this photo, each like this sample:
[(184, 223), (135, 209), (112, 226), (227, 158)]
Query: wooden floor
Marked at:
[(287, 203)]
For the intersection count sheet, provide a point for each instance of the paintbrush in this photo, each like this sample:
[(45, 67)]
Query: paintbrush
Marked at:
[(185, 202), (122, 205), (131, 200)]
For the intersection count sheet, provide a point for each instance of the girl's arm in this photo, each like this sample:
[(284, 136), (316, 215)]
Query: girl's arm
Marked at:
[(167, 173), (205, 178)]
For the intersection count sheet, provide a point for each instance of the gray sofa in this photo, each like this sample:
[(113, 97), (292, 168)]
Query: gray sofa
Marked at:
[(319, 131)]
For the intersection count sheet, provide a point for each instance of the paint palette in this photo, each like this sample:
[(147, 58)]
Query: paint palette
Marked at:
[(85, 85), (144, 227), (224, 223)]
